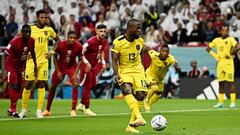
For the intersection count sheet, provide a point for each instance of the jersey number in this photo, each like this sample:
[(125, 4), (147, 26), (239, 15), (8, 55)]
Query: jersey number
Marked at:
[(132, 56), (144, 83), (40, 39)]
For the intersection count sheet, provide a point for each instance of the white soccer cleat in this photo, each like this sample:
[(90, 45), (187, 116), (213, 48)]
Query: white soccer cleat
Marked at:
[(88, 112), (23, 113), (219, 105), (232, 105), (81, 107), (39, 114)]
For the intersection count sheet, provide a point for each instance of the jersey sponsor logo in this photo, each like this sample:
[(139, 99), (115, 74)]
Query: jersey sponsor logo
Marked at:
[(25, 49), (100, 47), (138, 47), (68, 56)]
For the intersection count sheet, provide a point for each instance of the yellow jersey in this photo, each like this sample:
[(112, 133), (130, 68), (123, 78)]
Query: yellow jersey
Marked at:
[(224, 47), (41, 36), (129, 54), (158, 68)]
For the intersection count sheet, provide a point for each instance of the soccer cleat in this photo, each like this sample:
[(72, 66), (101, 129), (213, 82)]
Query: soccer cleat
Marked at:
[(232, 105), (23, 113), (15, 116), (138, 122), (46, 113), (88, 112), (81, 107), (73, 113), (39, 114), (130, 129), (9, 112), (219, 105), (147, 106)]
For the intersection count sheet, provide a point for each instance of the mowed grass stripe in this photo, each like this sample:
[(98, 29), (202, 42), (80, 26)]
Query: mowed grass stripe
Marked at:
[(121, 114)]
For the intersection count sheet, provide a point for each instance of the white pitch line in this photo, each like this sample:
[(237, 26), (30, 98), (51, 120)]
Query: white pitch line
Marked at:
[(120, 114)]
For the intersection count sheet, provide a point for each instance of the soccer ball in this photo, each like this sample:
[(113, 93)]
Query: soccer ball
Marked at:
[(159, 123)]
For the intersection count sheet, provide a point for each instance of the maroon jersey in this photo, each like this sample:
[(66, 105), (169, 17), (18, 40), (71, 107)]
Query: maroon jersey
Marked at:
[(17, 52), (67, 55), (94, 50)]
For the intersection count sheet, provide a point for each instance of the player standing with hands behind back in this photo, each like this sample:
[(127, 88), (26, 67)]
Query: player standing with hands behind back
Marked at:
[(14, 60), (41, 33), (225, 46), (129, 71)]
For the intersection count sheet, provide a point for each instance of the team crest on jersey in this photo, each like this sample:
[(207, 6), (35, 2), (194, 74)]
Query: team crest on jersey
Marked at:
[(45, 33), (25, 49), (138, 47), (100, 47), (69, 52), (226, 42)]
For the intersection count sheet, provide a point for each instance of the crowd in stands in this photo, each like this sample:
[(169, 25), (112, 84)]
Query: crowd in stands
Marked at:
[(177, 22)]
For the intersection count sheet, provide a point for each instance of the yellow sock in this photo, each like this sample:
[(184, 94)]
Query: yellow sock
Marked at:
[(41, 97), (133, 117), (149, 95), (140, 105), (132, 103), (221, 98), (233, 97), (153, 99), (25, 97)]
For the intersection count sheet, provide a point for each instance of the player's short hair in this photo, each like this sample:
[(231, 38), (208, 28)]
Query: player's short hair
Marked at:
[(101, 26), (26, 28), (41, 11), (165, 46), (71, 32), (132, 22), (225, 26)]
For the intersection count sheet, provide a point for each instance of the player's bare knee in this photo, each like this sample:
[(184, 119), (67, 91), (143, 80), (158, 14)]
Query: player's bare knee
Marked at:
[(126, 91), (13, 86), (28, 85), (126, 88), (140, 95), (158, 93), (41, 84)]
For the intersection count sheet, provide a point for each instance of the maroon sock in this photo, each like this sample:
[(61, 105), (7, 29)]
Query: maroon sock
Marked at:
[(14, 94), (74, 97), (86, 97), (51, 96)]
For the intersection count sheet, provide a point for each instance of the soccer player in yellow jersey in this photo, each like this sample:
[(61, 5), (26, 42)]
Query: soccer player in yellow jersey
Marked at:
[(155, 73), (225, 47), (129, 71), (41, 33)]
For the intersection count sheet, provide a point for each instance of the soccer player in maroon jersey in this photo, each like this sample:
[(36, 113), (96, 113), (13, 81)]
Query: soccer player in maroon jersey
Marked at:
[(65, 64), (13, 64), (93, 56)]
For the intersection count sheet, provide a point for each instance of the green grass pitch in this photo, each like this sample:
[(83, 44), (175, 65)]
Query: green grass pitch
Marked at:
[(184, 116)]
